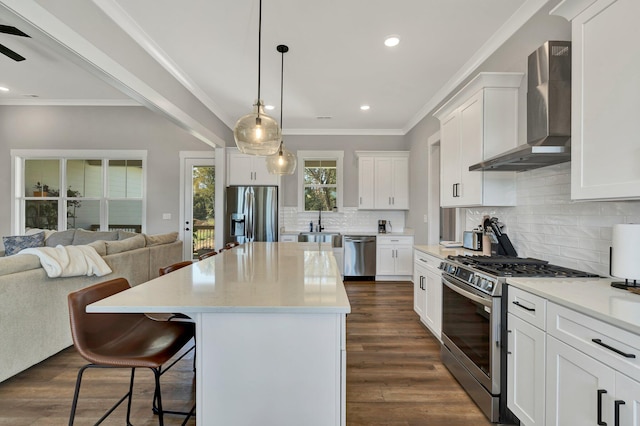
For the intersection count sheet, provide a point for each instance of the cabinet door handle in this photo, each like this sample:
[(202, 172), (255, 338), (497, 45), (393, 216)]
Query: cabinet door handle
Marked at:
[(453, 190), (617, 405), (515, 302), (611, 348), (360, 200), (393, 200), (600, 393)]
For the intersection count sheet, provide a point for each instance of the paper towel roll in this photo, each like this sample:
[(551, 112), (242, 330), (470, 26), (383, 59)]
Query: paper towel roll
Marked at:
[(625, 256)]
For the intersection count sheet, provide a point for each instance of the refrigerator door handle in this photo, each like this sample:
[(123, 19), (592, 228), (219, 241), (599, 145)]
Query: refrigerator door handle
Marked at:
[(250, 219)]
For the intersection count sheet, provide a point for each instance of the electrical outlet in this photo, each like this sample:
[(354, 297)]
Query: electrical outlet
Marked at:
[(425, 218)]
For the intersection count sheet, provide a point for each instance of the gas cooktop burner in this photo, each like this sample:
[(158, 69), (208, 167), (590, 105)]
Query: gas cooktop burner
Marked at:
[(506, 266)]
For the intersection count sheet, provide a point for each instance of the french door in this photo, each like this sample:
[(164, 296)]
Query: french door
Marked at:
[(199, 201)]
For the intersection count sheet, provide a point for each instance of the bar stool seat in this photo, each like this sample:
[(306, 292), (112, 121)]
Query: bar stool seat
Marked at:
[(123, 341)]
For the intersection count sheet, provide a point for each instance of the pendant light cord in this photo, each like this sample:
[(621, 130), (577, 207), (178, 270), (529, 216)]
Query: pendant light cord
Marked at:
[(259, 50), (281, 85)]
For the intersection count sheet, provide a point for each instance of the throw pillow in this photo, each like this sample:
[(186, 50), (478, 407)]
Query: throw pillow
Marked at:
[(14, 244), (100, 247), (132, 243), (123, 235), (61, 238), (156, 240), (83, 237)]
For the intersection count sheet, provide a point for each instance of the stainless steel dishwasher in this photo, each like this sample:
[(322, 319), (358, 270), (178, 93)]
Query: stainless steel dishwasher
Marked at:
[(359, 257)]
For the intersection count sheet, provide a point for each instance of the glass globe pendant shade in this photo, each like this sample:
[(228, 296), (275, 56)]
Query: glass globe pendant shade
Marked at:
[(257, 133), (282, 162)]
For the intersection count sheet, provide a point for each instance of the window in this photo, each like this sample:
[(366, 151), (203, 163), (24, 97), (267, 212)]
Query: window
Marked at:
[(320, 180), (93, 190)]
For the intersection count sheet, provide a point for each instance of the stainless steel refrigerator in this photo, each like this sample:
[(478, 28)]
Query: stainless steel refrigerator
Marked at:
[(251, 214)]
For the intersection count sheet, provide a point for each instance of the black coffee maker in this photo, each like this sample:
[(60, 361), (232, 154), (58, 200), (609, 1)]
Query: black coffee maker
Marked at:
[(382, 226)]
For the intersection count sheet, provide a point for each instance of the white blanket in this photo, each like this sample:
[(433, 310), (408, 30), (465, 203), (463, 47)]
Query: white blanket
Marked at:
[(70, 261)]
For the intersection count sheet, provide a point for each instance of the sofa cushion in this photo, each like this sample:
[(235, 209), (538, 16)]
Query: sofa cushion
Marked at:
[(123, 235), (18, 263), (154, 240), (83, 237), (100, 247), (61, 238), (13, 244), (132, 243)]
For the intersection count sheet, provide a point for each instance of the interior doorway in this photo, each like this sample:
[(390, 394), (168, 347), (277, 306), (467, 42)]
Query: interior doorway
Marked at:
[(198, 217)]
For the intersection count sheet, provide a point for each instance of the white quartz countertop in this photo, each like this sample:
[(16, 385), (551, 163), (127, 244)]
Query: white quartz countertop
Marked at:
[(253, 277), (591, 296), (442, 252), (407, 233)]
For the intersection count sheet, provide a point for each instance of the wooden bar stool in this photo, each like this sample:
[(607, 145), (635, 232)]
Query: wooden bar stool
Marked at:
[(123, 341), (207, 254)]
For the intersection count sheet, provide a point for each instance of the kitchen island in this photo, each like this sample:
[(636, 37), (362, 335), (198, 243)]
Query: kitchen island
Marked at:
[(270, 332)]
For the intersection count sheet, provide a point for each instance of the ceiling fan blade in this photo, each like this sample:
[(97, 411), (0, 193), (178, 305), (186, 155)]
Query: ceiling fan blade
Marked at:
[(10, 53), (6, 29)]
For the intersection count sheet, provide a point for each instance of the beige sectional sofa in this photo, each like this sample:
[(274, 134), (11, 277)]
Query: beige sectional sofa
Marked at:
[(34, 318)]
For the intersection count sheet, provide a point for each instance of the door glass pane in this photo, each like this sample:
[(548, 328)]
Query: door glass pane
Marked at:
[(125, 178), (41, 214), (204, 179), (83, 214), (41, 176), (84, 178), (126, 215)]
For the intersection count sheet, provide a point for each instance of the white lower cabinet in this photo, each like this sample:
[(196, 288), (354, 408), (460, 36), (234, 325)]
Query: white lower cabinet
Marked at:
[(394, 258), (565, 368), (427, 291), (525, 371)]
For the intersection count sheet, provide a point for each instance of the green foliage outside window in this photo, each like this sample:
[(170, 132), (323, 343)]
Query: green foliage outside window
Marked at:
[(320, 185)]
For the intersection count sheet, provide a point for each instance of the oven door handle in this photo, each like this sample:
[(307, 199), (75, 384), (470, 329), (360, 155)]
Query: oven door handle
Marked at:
[(466, 294)]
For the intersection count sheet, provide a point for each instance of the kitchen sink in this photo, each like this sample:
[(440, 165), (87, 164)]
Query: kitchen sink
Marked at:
[(321, 237)]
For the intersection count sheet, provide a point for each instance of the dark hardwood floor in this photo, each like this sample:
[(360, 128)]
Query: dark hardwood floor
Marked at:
[(394, 373), (394, 376)]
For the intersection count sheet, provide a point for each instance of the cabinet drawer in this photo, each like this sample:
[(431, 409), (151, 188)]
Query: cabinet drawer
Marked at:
[(614, 347), (432, 263), (528, 307), (389, 240)]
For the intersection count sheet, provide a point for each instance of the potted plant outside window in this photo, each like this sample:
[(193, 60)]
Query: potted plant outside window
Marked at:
[(40, 190)]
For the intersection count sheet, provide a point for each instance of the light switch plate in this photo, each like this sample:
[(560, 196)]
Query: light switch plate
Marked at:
[(425, 218), (166, 216)]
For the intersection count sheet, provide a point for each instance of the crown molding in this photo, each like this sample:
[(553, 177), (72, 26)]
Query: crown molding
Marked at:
[(345, 132), (69, 102)]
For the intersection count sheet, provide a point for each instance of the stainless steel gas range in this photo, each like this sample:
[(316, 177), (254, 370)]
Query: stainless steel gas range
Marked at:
[(474, 319)]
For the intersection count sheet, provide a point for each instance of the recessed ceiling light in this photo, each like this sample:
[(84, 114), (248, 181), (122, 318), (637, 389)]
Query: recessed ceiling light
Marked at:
[(391, 41), (3, 89), (269, 107), (364, 107)]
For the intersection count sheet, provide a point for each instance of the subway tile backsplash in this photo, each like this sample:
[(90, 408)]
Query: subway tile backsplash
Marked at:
[(350, 219), (546, 224)]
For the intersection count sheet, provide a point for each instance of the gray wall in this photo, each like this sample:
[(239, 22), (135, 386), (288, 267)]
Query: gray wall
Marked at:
[(70, 127), (348, 144), (510, 57)]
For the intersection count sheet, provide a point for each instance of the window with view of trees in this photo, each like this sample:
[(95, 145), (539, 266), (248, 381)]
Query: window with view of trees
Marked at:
[(72, 189), (321, 180)]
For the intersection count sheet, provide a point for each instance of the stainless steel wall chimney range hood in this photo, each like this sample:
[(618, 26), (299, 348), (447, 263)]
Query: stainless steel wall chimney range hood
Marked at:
[(548, 113)]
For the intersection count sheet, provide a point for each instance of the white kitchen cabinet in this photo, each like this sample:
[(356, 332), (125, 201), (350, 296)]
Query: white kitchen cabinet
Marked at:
[(383, 180), (428, 291), (243, 169), (477, 123), (604, 98), (578, 381), (419, 289), (526, 371), (288, 238), (394, 257)]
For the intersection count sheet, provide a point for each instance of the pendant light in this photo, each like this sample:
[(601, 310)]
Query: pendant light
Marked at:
[(257, 133), (282, 162)]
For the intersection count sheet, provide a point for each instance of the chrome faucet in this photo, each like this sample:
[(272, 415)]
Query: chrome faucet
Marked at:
[(320, 228)]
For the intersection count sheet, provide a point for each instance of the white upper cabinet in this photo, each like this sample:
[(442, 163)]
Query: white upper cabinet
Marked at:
[(477, 123), (383, 180), (243, 169), (605, 105)]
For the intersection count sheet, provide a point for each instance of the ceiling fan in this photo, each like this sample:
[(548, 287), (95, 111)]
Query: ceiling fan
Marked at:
[(6, 29)]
